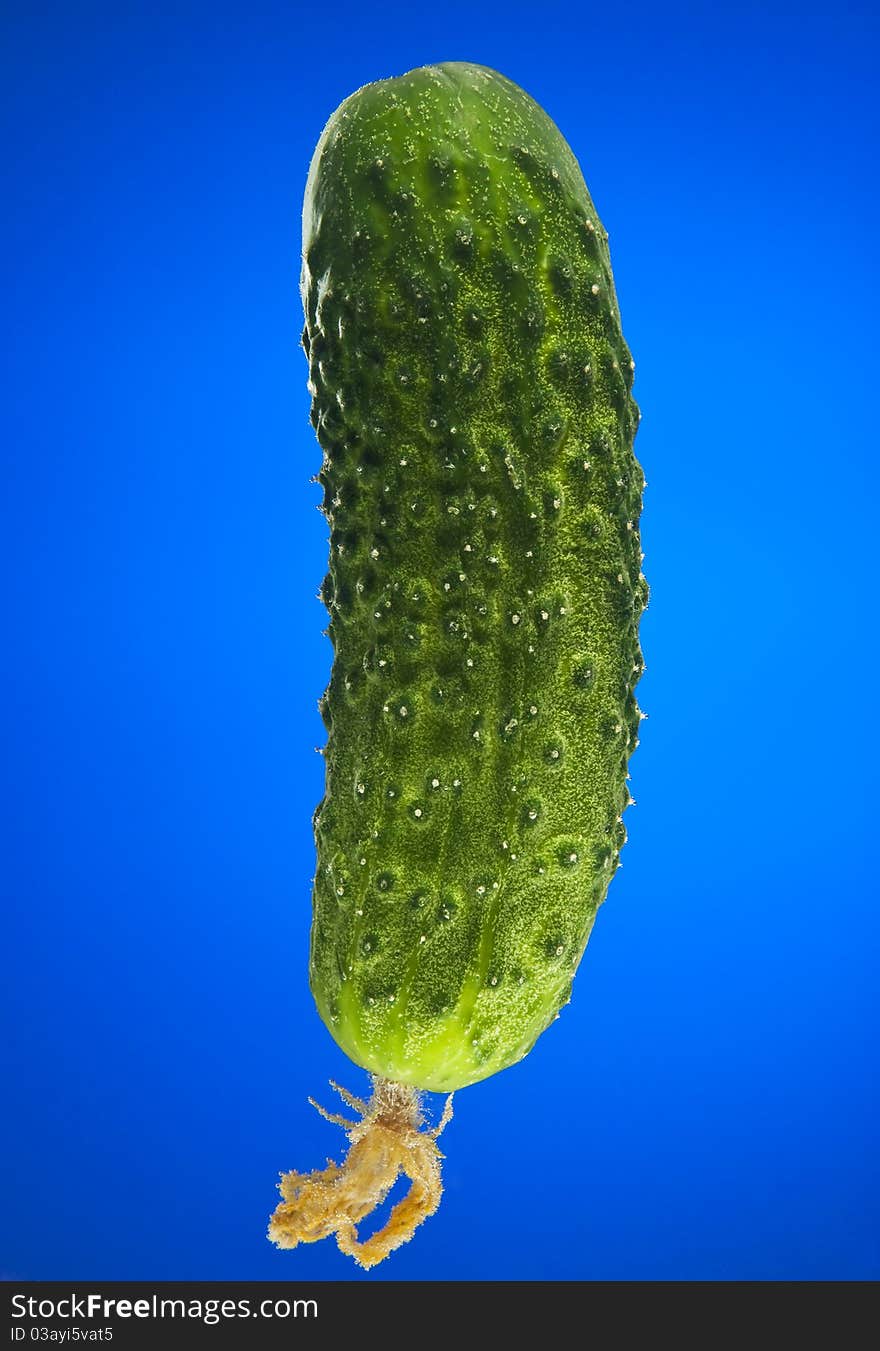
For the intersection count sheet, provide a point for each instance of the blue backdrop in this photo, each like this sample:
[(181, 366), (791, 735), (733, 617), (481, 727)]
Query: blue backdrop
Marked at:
[(707, 1105)]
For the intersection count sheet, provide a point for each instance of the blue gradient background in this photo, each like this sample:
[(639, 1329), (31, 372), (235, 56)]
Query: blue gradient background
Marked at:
[(707, 1105)]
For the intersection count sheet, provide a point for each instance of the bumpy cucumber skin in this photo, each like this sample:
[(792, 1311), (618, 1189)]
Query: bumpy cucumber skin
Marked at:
[(471, 394)]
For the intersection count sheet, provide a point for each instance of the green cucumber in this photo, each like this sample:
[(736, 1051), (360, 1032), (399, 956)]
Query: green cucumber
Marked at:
[(471, 394)]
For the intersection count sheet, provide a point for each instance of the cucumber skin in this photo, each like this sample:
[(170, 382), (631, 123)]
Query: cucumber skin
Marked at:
[(471, 394)]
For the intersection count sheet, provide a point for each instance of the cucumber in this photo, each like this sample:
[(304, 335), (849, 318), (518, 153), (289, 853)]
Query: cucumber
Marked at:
[(472, 397)]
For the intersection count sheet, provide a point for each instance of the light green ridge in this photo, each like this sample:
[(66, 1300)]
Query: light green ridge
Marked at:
[(471, 394)]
